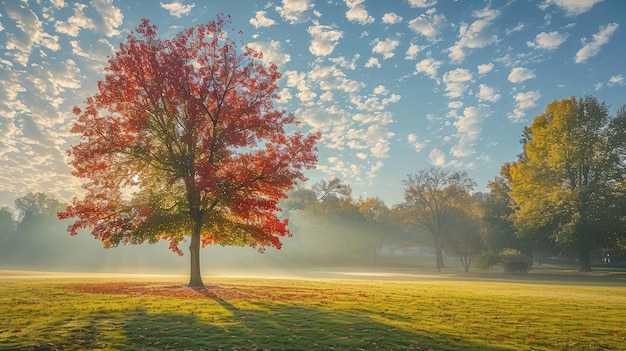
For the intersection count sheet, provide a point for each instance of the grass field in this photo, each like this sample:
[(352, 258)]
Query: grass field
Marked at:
[(544, 310)]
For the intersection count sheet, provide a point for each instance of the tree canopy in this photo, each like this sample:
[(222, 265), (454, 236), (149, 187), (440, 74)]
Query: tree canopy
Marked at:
[(428, 197), (182, 140), (569, 182)]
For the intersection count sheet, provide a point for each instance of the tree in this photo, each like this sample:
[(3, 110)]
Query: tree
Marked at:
[(7, 229), (428, 196), (182, 140), (569, 182), (333, 199), (498, 229), (377, 214), (34, 239), (35, 204), (462, 234)]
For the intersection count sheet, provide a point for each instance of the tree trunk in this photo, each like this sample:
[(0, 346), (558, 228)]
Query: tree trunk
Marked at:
[(195, 278), (439, 253), (583, 258)]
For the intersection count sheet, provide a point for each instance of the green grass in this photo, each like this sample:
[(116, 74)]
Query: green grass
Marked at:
[(544, 310)]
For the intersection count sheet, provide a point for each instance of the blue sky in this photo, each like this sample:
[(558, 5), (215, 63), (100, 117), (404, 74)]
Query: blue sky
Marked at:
[(394, 86)]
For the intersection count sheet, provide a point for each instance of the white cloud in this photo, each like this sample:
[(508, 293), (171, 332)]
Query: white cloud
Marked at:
[(295, 79), (58, 3), (324, 119), (455, 104), (617, 80), (272, 52), (599, 39), (547, 41), (177, 9), (79, 20), (523, 102), (11, 86), (391, 18), (28, 33), (428, 66), (285, 95), (345, 63), (373, 62), (51, 79), (571, 7), (295, 11), (412, 52), (468, 128), (381, 90), (517, 28), (486, 68), (306, 96), (487, 93), (326, 97), (476, 35), (520, 74), (415, 143), (385, 47), (428, 24), (110, 18), (357, 12), (376, 101), (455, 82), (371, 174), (375, 138), (345, 170), (422, 3), (260, 20), (97, 52), (324, 39), (436, 157)]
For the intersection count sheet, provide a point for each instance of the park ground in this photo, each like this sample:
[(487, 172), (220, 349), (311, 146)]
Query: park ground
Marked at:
[(550, 308)]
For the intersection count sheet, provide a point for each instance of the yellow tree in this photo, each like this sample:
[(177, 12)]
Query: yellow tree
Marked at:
[(567, 182)]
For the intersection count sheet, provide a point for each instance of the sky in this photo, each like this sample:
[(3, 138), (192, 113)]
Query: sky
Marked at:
[(394, 86)]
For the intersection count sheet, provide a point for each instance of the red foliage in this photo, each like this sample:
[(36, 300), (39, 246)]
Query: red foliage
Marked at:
[(183, 135)]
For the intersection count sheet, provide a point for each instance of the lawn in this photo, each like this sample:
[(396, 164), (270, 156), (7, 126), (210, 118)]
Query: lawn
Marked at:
[(544, 310)]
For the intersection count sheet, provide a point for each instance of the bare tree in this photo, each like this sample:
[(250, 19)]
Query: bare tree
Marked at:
[(428, 195)]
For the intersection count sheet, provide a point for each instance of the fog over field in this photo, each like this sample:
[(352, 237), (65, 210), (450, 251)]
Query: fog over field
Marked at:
[(49, 247)]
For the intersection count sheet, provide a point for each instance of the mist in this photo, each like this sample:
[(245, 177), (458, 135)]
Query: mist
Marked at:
[(335, 234), (42, 243)]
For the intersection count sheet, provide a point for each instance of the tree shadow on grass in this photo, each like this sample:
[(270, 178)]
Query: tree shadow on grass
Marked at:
[(278, 326)]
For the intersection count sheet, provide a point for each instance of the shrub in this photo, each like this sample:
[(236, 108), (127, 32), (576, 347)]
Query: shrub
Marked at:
[(487, 259)]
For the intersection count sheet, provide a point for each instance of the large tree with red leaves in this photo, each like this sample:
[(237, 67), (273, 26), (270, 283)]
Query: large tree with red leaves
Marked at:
[(182, 140)]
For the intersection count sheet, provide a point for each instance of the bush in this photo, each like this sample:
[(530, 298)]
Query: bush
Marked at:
[(512, 260), (487, 259)]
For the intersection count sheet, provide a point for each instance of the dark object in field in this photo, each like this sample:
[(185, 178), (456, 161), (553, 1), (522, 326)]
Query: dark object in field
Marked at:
[(516, 267)]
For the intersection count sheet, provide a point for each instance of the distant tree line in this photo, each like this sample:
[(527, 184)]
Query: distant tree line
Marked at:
[(565, 196), (32, 237)]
